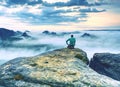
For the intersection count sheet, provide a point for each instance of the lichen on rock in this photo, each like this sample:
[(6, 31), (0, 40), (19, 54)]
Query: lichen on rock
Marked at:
[(58, 68)]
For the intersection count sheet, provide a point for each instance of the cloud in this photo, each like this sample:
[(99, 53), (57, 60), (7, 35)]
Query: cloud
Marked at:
[(49, 15), (12, 23), (92, 10), (69, 3), (41, 12), (3, 2), (42, 15), (55, 1), (21, 2), (98, 2), (77, 3), (116, 3)]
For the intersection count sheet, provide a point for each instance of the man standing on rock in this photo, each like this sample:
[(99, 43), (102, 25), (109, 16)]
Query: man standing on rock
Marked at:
[(71, 42)]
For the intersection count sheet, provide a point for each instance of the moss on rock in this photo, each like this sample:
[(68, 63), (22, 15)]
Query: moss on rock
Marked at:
[(18, 77), (84, 59), (58, 68), (33, 64)]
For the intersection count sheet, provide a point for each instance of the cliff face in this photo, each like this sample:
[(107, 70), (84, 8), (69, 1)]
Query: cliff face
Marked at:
[(58, 68), (107, 64)]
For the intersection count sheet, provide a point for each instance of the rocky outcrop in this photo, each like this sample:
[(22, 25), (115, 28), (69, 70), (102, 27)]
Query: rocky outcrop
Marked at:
[(107, 64), (49, 33), (87, 35), (25, 35), (67, 33), (58, 68)]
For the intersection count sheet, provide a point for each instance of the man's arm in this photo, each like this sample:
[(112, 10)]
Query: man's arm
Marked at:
[(67, 42)]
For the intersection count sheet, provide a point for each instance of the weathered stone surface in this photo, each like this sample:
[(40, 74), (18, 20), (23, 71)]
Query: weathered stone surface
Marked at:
[(59, 68), (107, 64)]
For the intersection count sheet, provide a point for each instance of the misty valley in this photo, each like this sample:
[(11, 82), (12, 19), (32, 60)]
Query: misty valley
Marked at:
[(30, 43)]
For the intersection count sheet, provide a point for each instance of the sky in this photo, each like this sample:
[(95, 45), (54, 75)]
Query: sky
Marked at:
[(59, 15)]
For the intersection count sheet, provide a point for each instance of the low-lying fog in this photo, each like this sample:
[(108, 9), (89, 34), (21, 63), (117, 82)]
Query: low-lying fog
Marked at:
[(89, 41)]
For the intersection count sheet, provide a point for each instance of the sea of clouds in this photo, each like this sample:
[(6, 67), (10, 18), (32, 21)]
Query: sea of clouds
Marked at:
[(103, 41)]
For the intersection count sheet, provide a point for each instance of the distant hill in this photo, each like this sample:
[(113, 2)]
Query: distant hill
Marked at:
[(49, 33), (6, 33), (87, 35)]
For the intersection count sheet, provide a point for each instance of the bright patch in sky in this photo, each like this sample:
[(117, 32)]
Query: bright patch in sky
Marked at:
[(70, 14), (59, 14), (54, 1), (103, 19)]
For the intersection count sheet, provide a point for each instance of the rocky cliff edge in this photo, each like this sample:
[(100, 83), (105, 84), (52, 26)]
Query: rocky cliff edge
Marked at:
[(58, 68)]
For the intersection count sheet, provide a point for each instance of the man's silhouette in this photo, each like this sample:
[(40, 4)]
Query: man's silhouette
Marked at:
[(71, 42)]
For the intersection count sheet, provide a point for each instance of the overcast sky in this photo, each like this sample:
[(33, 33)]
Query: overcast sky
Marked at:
[(60, 14)]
